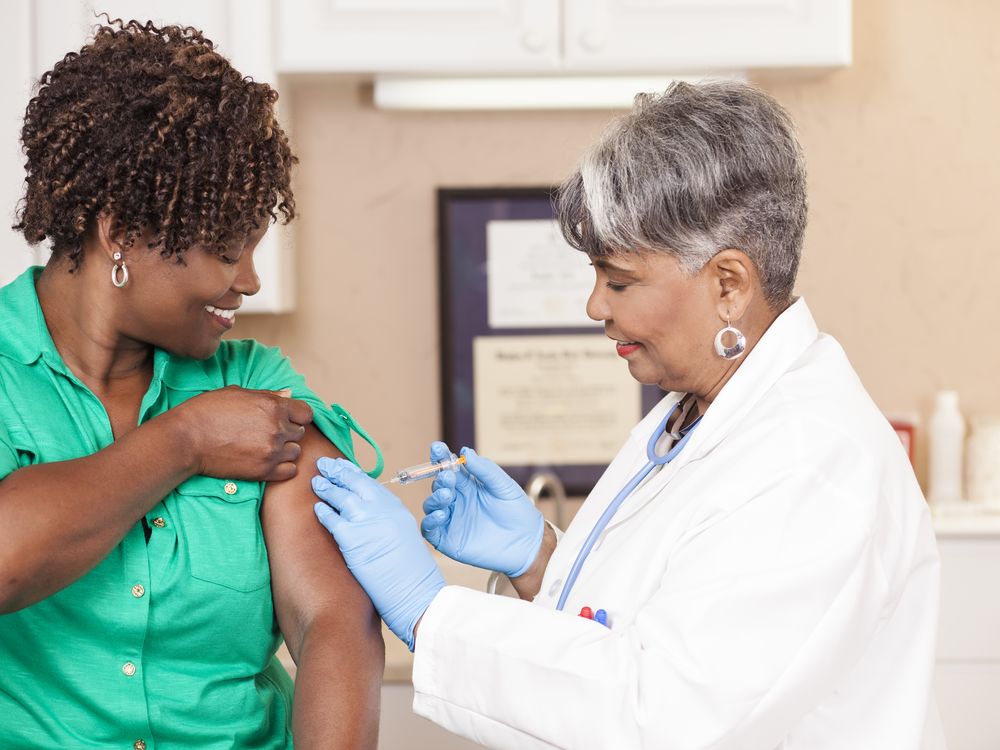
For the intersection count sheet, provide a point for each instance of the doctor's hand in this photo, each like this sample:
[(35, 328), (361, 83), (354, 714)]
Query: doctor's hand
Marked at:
[(378, 538), (480, 516)]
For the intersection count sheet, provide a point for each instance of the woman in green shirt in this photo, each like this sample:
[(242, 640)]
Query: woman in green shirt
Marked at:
[(157, 538)]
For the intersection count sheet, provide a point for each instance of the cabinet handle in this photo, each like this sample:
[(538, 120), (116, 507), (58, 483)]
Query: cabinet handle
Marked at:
[(533, 41), (593, 40)]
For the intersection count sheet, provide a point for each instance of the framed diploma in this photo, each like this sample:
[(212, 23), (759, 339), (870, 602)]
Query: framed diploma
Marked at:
[(527, 378)]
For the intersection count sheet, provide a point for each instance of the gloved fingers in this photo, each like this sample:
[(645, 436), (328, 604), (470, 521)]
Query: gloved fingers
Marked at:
[(327, 516), (433, 526), (440, 498), (343, 473), (464, 482), (440, 451), (444, 480), (447, 478), (340, 499), (332, 467), (493, 478)]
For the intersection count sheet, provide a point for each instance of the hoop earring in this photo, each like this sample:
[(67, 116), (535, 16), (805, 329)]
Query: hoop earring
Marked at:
[(119, 271), (738, 347)]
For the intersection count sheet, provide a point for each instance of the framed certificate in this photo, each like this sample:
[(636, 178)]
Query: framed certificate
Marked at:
[(527, 378)]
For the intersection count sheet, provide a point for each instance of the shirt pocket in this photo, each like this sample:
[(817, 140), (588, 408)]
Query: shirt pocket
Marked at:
[(220, 528)]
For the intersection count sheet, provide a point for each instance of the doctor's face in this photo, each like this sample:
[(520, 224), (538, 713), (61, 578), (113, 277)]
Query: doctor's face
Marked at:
[(662, 319)]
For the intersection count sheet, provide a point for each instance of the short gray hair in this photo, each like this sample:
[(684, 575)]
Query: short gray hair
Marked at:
[(695, 170)]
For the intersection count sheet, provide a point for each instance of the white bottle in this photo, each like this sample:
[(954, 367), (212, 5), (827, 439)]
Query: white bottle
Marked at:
[(947, 438)]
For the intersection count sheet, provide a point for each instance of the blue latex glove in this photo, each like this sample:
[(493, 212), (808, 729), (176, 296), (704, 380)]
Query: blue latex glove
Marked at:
[(378, 538), (480, 516)]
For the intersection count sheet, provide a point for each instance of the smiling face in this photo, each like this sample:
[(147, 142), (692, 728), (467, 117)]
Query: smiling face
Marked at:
[(663, 319), (185, 309)]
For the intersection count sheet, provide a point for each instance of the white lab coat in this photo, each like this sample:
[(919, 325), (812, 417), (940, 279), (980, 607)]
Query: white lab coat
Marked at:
[(775, 586)]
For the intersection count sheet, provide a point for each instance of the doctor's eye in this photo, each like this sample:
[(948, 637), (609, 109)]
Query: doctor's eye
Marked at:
[(615, 287)]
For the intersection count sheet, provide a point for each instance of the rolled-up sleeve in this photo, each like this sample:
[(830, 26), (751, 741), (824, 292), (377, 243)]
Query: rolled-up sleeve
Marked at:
[(266, 368), (8, 453)]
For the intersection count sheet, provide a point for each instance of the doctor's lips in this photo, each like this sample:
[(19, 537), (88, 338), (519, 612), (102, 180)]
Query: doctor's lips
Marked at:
[(626, 347)]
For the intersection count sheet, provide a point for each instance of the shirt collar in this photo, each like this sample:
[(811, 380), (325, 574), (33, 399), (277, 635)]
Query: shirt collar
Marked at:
[(25, 338), (181, 374)]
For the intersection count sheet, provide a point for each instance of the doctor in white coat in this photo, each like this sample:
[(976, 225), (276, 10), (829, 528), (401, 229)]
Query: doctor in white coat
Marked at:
[(759, 549)]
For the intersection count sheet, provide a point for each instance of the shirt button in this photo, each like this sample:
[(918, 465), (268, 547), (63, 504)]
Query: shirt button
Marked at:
[(138, 590), (230, 488), (159, 522), (128, 669), (139, 745)]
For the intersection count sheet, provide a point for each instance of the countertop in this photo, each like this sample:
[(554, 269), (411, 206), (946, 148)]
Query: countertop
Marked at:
[(966, 519)]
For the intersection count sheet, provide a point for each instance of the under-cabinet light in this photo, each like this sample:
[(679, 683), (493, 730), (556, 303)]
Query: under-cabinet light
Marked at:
[(526, 92)]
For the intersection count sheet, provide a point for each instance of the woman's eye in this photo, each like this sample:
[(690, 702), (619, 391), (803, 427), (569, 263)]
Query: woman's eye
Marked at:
[(616, 287), (229, 261)]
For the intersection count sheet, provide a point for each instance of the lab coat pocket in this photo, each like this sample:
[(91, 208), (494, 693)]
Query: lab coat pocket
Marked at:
[(220, 523)]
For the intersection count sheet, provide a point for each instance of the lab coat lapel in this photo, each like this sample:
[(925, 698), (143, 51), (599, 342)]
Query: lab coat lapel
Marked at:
[(788, 338), (781, 345), (630, 459)]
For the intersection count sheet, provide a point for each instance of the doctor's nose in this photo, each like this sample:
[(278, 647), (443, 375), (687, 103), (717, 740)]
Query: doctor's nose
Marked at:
[(597, 308)]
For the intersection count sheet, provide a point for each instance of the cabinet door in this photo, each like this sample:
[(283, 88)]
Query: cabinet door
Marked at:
[(967, 679), (408, 36), (969, 620), (966, 695), (704, 35)]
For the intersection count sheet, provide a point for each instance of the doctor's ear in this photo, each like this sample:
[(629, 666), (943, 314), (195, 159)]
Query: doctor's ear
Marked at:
[(735, 277)]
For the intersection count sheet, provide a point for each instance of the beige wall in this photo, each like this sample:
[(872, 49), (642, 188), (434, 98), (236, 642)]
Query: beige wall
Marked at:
[(901, 257)]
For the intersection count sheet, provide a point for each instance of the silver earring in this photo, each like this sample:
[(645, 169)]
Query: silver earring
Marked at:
[(119, 271), (738, 347)]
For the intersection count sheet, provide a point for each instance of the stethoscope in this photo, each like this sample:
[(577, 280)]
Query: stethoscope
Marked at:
[(653, 461)]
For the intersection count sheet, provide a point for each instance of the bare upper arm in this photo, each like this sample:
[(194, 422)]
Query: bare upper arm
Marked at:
[(309, 577)]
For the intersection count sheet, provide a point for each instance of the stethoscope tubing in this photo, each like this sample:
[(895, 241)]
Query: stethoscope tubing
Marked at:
[(609, 512)]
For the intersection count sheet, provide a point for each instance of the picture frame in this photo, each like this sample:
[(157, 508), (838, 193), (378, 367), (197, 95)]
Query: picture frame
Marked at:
[(472, 322)]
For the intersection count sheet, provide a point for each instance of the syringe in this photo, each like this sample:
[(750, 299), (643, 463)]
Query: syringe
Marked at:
[(425, 471)]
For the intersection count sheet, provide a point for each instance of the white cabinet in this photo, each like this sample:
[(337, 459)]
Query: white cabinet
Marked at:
[(405, 36), (967, 678), (560, 36), (656, 35), (43, 31)]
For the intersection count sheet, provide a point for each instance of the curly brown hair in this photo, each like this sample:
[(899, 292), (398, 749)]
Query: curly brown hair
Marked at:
[(154, 127)]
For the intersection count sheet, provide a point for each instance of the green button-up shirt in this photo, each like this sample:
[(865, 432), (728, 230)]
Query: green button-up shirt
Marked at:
[(170, 643)]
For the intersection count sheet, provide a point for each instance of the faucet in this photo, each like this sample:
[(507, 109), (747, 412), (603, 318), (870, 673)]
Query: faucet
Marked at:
[(541, 484), (544, 484)]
